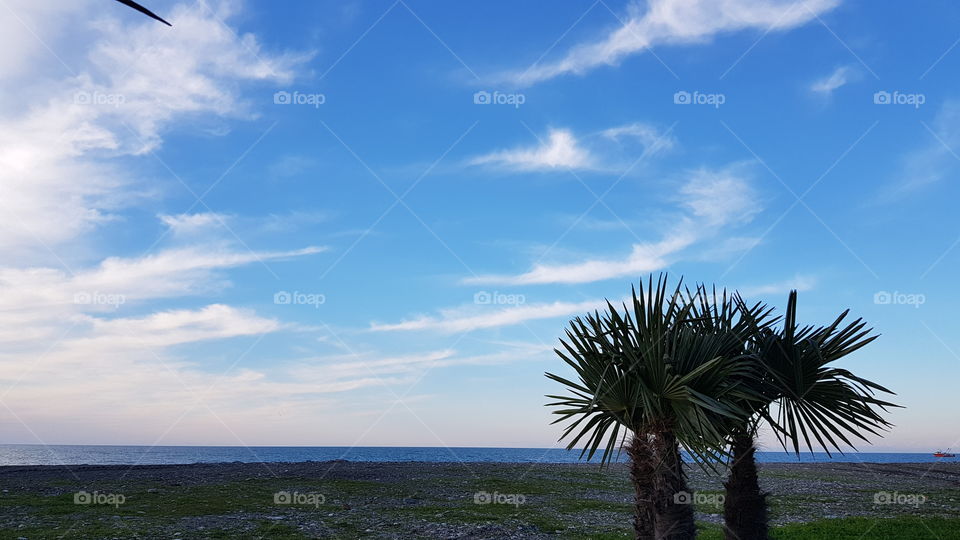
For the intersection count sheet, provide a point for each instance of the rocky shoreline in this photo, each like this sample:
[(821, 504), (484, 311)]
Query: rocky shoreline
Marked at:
[(428, 500)]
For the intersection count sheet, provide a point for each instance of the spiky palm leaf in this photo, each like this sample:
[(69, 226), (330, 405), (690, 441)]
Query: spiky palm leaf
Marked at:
[(644, 366), (807, 399)]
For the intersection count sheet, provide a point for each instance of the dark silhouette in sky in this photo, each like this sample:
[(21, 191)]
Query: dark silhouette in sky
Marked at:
[(143, 10)]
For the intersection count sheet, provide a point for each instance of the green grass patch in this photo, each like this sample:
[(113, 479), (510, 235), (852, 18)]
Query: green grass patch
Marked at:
[(902, 528)]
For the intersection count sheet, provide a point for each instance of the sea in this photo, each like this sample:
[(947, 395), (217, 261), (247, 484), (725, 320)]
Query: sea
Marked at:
[(27, 454)]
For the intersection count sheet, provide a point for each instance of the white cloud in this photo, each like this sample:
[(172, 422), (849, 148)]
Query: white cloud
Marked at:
[(451, 321), (26, 28), (840, 76), (562, 149), (98, 343), (652, 139), (72, 347), (712, 199), (176, 327), (43, 302), (192, 225), (133, 84), (643, 258), (931, 163), (354, 371), (799, 283), (360, 367), (719, 197), (165, 274), (672, 22)]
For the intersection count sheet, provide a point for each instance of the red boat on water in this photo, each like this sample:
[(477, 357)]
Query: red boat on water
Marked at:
[(943, 454)]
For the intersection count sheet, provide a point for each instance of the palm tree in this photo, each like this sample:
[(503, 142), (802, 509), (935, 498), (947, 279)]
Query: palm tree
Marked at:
[(143, 10), (802, 396), (647, 373)]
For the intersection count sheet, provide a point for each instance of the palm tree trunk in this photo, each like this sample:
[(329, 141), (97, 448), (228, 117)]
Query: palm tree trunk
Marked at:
[(745, 506), (674, 519), (642, 468)]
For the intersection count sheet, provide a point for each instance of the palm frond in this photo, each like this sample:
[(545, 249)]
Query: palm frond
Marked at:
[(816, 404)]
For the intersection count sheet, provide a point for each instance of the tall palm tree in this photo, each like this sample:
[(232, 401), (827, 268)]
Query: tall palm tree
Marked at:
[(802, 396), (143, 10), (647, 373)]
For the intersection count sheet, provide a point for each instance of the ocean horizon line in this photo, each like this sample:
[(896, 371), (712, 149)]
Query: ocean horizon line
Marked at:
[(34, 455), (117, 445)]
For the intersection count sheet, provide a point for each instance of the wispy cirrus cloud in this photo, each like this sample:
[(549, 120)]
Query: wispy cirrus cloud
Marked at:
[(368, 367), (468, 320), (708, 201), (839, 77), (800, 283), (562, 149), (930, 163), (674, 22)]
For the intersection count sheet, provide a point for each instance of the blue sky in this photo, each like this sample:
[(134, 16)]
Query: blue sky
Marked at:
[(367, 223)]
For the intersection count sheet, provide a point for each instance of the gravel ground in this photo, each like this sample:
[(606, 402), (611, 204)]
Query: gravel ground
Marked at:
[(425, 500)]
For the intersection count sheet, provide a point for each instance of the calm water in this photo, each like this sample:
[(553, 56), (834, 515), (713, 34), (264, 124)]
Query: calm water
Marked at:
[(16, 454)]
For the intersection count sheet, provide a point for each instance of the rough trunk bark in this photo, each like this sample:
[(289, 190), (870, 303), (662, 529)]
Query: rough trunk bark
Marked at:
[(745, 506), (674, 518), (642, 468)]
